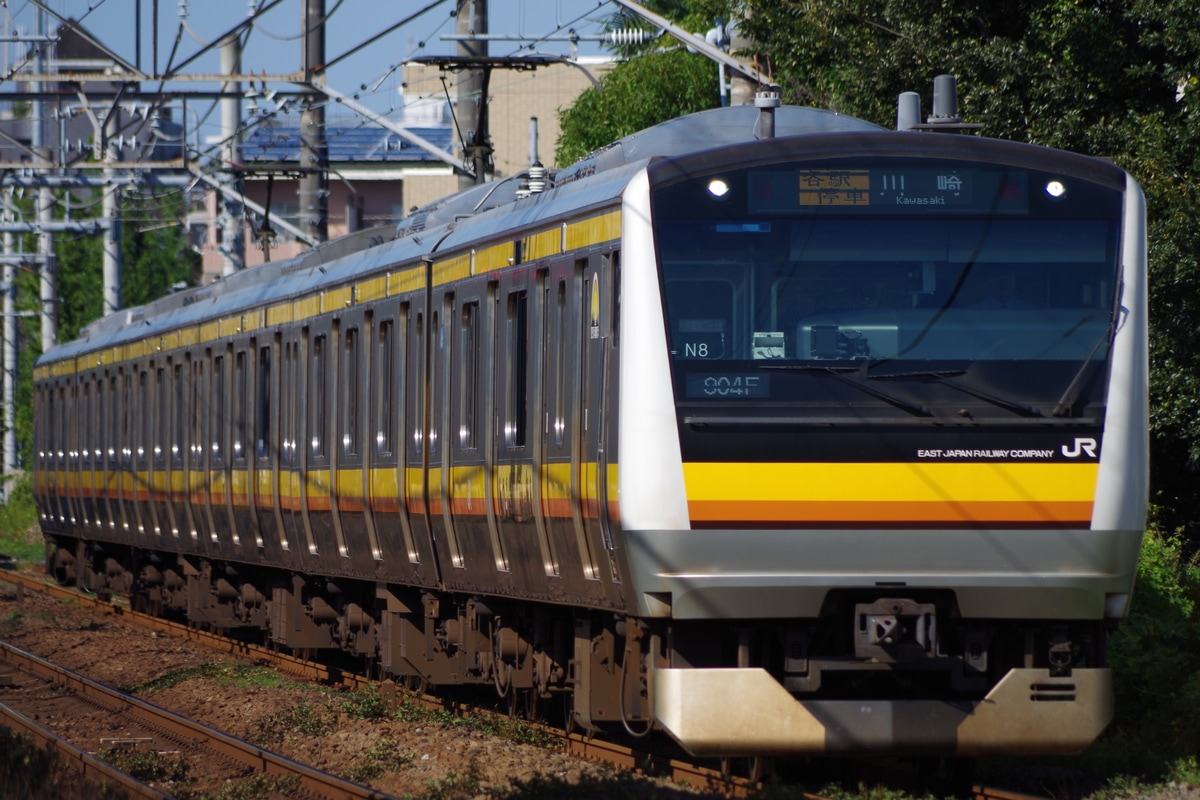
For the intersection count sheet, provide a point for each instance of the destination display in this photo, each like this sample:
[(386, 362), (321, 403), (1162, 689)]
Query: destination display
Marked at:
[(887, 190)]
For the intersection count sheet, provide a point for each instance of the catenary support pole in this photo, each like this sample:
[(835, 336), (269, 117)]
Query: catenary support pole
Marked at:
[(314, 148), (230, 211), (472, 90), (112, 233), (8, 389)]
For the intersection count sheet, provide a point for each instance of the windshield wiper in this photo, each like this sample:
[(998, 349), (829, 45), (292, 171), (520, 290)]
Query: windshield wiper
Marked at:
[(841, 374), (944, 377), (1071, 393)]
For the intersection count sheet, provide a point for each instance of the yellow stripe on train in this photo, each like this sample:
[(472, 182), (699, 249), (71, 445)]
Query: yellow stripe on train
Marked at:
[(1058, 493)]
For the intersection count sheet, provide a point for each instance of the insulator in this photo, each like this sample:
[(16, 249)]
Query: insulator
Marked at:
[(630, 36), (537, 178)]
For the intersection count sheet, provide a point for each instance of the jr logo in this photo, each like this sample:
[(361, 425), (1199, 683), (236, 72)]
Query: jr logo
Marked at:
[(1087, 446)]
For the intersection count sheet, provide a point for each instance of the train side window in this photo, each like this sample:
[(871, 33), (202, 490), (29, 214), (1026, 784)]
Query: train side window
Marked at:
[(350, 390), (50, 426), (560, 379), (437, 369), (103, 429), (142, 419), (195, 446), (468, 386), (385, 355), (239, 405), (317, 396), (219, 414), (126, 416), (108, 421), (72, 443), (85, 439), (262, 427), (177, 387), (616, 298), (516, 369), (159, 431), (418, 385), (286, 409)]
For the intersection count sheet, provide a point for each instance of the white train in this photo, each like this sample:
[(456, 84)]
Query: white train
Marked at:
[(829, 443)]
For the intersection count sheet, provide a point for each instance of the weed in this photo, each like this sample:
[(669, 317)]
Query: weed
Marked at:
[(455, 784), (148, 765), (257, 787), (19, 534), (30, 772), (384, 756), (519, 731), (1121, 787), (590, 787), (305, 719), (837, 792), (368, 703), (1185, 771), (230, 673)]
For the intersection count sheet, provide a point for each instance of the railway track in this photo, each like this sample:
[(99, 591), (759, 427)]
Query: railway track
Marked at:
[(618, 755), (37, 689)]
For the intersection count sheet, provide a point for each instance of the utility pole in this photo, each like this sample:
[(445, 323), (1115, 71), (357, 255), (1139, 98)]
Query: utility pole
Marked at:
[(8, 285), (742, 90), (112, 231), (44, 202), (229, 209), (470, 23), (314, 149)]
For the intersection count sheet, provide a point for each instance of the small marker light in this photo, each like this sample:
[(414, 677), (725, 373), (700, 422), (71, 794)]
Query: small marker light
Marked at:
[(1056, 189), (718, 187)]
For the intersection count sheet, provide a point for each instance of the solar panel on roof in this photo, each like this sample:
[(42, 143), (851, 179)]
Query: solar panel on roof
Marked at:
[(356, 143)]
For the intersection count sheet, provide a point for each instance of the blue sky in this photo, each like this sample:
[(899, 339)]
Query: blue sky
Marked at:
[(274, 45)]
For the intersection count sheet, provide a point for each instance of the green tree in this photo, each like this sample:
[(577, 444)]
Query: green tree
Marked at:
[(658, 81), (634, 95), (155, 257)]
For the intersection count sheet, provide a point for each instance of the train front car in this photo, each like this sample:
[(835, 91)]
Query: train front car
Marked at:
[(883, 414)]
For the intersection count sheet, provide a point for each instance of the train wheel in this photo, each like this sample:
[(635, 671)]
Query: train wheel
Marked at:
[(568, 709), (523, 704), (755, 769)]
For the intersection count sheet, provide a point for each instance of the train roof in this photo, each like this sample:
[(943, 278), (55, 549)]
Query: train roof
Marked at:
[(480, 213)]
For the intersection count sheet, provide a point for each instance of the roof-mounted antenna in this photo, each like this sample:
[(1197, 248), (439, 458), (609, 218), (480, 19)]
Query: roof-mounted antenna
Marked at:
[(766, 101), (908, 111), (945, 101), (945, 109)]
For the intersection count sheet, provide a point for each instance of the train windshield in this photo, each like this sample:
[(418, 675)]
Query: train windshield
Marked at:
[(917, 287)]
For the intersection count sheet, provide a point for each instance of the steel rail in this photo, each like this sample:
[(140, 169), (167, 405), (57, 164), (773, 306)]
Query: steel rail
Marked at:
[(309, 780), (93, 769), (620, 756)]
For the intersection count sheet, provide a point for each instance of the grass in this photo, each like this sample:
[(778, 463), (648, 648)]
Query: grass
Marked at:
[(31, 773), (148, 765), (227, 673), (257, 787), (303, 719), (455, 785), (619, 786), (20, 536), (384, 756)]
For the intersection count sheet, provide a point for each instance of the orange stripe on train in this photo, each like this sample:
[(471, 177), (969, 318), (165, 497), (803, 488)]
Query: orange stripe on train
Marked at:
[(808, 512)]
